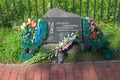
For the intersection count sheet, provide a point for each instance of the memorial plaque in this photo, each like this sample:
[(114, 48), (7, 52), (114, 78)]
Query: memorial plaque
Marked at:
[(60, 27)]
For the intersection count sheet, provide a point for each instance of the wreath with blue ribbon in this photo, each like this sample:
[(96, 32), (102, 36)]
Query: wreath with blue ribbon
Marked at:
[(34, 34)]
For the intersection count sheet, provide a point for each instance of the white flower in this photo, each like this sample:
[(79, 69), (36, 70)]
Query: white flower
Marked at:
[(24, 24), (29, 20), (22, 27)]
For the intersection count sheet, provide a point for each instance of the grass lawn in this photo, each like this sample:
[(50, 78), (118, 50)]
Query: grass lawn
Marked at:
[(10, 46)]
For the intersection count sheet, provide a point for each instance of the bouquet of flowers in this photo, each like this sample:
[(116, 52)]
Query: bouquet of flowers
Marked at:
[(63, 45)]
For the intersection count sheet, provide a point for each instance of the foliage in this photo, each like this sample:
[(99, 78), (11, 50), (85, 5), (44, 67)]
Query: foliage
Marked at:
[(21, 11), (39, 57)]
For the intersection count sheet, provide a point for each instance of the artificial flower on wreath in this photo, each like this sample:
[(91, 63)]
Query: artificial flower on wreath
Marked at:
[(95, 32), (93, 35)]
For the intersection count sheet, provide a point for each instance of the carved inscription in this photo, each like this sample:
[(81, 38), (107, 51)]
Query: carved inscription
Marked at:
[(61, 27)]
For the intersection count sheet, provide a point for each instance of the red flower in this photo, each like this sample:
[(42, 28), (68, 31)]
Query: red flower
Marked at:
[(32, 23), (92, 22), (99, 27), (89, 20), (93, 35), (92, 27)]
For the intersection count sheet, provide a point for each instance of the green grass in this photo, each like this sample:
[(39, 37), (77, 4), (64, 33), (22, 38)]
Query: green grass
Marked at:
[(112, 33), (10, 46)]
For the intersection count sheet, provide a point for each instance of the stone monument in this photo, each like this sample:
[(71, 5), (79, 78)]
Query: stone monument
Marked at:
[(61, 23)]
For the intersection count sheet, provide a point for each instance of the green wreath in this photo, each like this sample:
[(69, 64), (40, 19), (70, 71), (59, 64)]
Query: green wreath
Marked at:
[(95, 38), (34, 34)]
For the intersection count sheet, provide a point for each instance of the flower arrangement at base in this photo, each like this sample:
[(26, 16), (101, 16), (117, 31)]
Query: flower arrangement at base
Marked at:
[(96, 38), (58, 51), (34, 34)]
